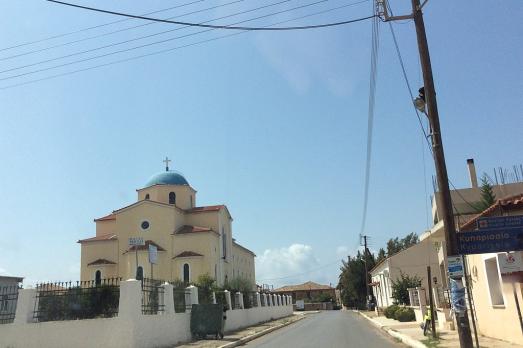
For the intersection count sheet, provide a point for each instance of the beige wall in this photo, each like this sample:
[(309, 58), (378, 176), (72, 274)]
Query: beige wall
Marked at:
[(160, 193), (243, 264), (93, 251), (498, 321)]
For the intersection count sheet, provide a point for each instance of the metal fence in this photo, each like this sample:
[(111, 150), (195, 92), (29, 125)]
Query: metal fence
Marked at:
[(8, 301), (77, 300), (249, 299), (152, 296), (180, 296), (235, 300)]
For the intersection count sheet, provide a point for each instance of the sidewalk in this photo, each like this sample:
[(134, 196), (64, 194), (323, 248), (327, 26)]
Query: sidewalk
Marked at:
[(235, 338), (411, 334)]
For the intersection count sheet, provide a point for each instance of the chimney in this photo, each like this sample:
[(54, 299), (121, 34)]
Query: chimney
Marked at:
[(472, 173)]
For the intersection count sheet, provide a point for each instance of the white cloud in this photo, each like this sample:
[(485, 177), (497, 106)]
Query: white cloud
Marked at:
[(290, 265)]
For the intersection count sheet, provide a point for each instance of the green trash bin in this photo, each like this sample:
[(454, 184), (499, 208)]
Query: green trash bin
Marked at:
[(207, 319)]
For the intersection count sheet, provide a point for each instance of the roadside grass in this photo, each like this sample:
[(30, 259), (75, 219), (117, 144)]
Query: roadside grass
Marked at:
[(431, 342)]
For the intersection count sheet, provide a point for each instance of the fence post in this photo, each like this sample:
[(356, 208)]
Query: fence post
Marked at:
[(193, 295), (240, 300), (25, 306), (264, 300), (275, 299), (258, 299), (228, 299), (130, 305), (168, 298), (213, 297)]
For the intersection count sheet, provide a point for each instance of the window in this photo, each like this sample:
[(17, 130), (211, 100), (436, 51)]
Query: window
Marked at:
[(98, 278), (139, 273), (224, 244), (186, 273), (145, 225), (172, 198), (493, 280), (147, 196)]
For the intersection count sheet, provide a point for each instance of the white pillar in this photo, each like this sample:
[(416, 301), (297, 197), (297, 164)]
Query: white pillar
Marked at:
[(265, 300), (168, 298), (258, 299), (240, 300), (228, 299), (130, 299), (25, 306), (422, 300), (193, 295), (213, 297)]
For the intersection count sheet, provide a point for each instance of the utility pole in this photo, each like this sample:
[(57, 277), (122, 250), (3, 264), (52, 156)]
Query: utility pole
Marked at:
[(366, 268), (465, 337)]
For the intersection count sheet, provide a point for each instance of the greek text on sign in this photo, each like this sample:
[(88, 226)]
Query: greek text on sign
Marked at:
[(490, 241), (455, 266), (510, 262), (500, 222), (136, 241)]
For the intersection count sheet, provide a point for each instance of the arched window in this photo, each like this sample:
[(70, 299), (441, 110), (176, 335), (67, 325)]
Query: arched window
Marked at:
[(186, 273), (139, 273), (98, 278), (147, 196), (172, 198)]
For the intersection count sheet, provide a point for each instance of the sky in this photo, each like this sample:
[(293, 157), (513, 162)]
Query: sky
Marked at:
[(272, 124)]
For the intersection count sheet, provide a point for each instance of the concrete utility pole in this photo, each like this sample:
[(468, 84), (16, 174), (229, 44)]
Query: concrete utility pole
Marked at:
[(366, 268), (465, 337)]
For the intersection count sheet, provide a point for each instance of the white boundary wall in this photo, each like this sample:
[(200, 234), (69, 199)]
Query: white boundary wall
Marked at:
[(131, 329)]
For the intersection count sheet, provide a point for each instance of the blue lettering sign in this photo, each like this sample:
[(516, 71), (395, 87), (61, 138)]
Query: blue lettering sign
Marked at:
[(490, 241)]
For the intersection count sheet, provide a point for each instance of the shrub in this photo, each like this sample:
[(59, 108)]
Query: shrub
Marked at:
[(390, 311), (405, 314)]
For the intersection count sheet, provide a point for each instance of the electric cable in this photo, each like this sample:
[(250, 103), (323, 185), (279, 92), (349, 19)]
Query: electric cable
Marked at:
[(228, 27), (160, 51), (122, 30), (93, 27)]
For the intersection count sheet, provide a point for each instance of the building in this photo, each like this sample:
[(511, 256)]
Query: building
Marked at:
[(412, 261), (494, 289), (309, 291), (190, 240)]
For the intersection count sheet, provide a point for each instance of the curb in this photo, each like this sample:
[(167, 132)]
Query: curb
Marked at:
[(409, 341), (246, 339)]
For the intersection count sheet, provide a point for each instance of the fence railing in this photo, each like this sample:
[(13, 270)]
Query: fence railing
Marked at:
[(77, 300), (8, 301), (180, 295), (249, 299), (152, 296)]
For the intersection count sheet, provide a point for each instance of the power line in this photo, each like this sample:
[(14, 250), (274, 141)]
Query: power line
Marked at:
[(124, 29), (155, 42), (229, 27), (93, 27), (143, 37), (370, 116), (161, 51)]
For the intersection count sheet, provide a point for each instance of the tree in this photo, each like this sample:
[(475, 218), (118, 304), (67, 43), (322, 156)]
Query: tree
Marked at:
[(487, 193), (381, 255), (395, 245), (206, 285), (400, 287), (352, 282)]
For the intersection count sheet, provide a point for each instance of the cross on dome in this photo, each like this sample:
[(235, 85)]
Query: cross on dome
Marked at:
[(166, 161)]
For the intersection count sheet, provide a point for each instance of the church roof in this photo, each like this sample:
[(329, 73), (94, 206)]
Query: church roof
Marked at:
[(242, 247), (167, 178), (146, 246), (187, 254), (101, 262), (105, 237), (109, 217), (205, 209), (192, 229)]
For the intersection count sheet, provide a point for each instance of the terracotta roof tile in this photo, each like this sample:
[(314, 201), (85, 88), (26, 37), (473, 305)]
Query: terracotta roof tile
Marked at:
[(512, 202), (205, 209), (101, 262), (105, 237), (187, 254), (146, 246), (109, 217), (305, 286), (192, 229)]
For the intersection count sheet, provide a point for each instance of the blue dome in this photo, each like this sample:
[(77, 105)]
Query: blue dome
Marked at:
[(167, 178)]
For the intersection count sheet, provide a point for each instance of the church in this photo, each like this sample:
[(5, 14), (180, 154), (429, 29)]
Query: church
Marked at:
[(190, 240)]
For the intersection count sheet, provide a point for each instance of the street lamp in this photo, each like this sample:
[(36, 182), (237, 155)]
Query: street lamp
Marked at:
[(419, 102)]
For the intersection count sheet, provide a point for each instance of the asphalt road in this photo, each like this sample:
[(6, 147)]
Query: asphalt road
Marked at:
[(329, 329)]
